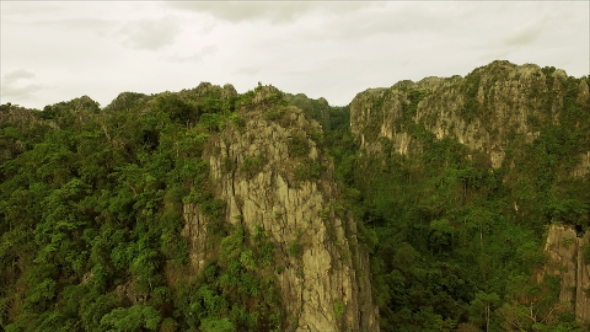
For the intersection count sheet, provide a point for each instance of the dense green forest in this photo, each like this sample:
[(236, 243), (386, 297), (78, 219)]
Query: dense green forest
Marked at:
[(91, 205)]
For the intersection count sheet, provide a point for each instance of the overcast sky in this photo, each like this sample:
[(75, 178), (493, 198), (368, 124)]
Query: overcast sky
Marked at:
[(57, 51)]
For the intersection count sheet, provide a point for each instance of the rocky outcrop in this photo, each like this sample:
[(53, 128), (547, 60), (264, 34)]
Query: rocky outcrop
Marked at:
[(583, 166), (324, 282), (565, 253), (484, 110), (583, 280), (22, 118)]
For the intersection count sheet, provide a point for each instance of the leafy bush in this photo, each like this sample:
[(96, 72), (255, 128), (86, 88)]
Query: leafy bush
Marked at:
[(101, 200), (218, 325), (212, 122), (214, 208), (298, 145), (586, 250), (567, 242), (176, 108), (276, 113), (237, 120), (168, 325), (135, 318), (252, 166), (227, 165), (339, 308), (308, 170), (295, 248)]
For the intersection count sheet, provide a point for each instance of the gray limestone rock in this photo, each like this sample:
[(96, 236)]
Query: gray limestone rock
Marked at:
[(332, 271)]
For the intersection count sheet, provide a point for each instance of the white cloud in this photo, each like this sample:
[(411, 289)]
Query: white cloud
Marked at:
[(28, 8), (15, 75), (524, 35), (194, 57), (149, 34), (248, 70), (275, 12), (237, 11), (330, 49), (19, 83)]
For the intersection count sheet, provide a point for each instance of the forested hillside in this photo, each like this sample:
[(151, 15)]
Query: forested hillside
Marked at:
[(461, 179), (450, 204)]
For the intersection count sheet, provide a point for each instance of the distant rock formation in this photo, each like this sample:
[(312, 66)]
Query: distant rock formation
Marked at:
[(483, 110)]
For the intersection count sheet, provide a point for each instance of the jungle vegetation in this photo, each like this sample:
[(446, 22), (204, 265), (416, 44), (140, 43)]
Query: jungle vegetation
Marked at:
[(91, 215)]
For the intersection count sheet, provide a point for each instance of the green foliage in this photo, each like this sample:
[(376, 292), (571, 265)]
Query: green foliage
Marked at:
[(168, 325), (471, 106), (91, 203), (338, 308), (212, 122), (298, 146), (275, 113), (92, 215), (235, 277), (237, 120), (252, 166), (566, 242), (442, 235), (265, 248), (245, 100), (482, 309), (308, 169), (63, 112), (317, 109), (227, 165), (442, 227), (213, 208), (135, 318), (178, 110), (217, 325), (586, 253), (295, 248), (414, 97)]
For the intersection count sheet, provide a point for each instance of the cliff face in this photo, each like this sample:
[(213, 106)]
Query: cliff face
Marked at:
[(322, 274), (496, 112), (565, 253), (484, 110)]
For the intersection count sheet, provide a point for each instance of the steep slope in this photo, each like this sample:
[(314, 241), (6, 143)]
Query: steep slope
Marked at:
[(450, 204), (566, 258), (484, 160), (485, 111), (274, 179)]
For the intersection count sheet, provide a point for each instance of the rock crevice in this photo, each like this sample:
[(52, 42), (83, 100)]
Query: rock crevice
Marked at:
[(486, 110), (565, 253), (315, 246)]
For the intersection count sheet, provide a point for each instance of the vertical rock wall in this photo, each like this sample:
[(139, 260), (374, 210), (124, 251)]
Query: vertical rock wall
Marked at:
[(508, 98), (326, 286), (583, 281), (565, 252)]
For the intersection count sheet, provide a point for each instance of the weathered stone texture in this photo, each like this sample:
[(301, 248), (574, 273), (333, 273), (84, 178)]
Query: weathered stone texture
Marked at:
[(509, 96), (331, 269), (565, 253), (583, 282)]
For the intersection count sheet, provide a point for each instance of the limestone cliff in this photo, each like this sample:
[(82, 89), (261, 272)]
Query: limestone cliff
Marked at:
[(485, 110), (565, 253), (324, 274)]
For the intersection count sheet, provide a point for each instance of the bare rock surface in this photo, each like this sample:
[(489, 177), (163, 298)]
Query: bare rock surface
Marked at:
[(507, 98), (565, 252), (324, 285)]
